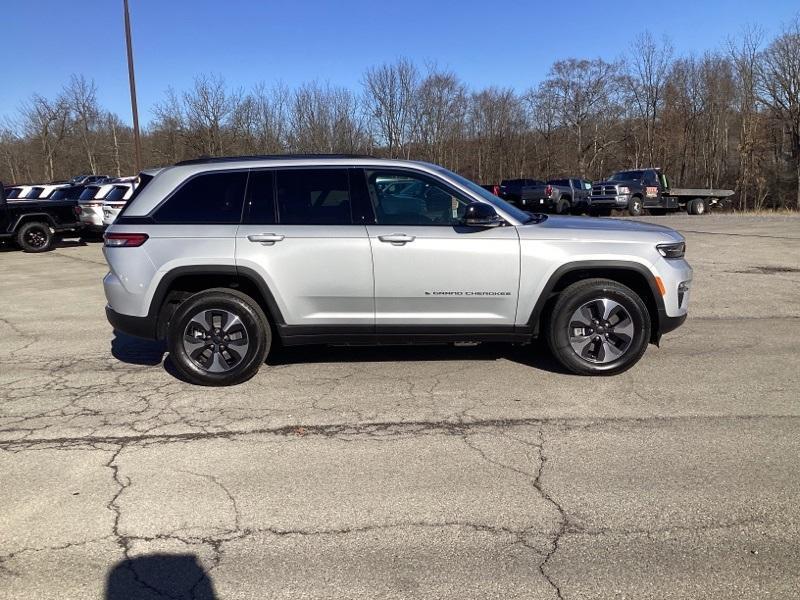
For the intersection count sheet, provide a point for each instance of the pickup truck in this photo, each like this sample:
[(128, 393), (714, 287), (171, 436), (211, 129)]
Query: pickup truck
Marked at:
[(558, 195), (637, 190), (511, 189), (34, 224)]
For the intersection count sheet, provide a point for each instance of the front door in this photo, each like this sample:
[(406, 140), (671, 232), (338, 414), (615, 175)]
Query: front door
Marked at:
[(430, 270), (298, 235)]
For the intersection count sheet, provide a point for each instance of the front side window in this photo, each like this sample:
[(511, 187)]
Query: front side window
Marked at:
[(212, 198), (402, 199), (313, 197)]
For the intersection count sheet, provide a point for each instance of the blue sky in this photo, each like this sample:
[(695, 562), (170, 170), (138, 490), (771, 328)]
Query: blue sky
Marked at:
[(495, 42)]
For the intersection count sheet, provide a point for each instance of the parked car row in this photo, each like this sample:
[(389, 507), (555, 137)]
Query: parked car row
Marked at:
[(33, 216), (633, 191)]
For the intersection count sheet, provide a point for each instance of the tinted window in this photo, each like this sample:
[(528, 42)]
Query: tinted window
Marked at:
[(313, 197), (564, 182), (421, 201), (650, 178), (116, 193), (88, 193), (13, 193), (260, 202), (209, 198)]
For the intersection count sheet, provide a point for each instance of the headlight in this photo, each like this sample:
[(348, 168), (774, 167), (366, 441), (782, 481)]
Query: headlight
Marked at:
[(624, 189), (673, 250)]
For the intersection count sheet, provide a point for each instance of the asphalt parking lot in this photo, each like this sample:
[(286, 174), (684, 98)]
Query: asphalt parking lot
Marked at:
[(413, 472)]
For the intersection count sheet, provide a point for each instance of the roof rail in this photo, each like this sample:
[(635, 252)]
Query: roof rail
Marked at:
[(222, 159)]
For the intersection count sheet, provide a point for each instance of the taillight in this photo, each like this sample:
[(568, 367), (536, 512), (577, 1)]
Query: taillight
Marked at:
[(125, 240), (496, 190), (548, 190)]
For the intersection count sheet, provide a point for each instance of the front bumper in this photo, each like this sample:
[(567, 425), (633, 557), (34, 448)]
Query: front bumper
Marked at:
[(620, 201)]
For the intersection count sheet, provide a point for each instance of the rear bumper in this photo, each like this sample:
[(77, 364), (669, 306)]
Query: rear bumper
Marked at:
[(533, 203), (141, 327)]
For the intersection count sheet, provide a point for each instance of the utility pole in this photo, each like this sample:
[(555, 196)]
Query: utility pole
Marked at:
[(137, 143)]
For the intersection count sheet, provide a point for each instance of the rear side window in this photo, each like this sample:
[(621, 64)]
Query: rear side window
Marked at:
[(213, 198), (313, 197), (260, 201), (116, 193), (88, 193)]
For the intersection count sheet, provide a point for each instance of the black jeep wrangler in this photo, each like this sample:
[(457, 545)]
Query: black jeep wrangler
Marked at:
[(35, 224)]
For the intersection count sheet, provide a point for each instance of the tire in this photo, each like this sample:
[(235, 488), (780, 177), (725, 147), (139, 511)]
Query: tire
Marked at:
[(635, 207), (698, 206), (606, 347), (563, 206), (35, 236), (208, 317)]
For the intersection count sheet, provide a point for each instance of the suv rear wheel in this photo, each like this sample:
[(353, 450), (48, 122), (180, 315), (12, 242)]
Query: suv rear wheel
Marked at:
[(598, 327), (218, 337)]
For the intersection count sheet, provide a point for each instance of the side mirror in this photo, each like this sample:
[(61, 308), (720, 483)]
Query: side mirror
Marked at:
[(479, 214)]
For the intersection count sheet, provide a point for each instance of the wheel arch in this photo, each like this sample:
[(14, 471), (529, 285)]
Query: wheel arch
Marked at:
[(631, 274), (182, 282), (31, 218)]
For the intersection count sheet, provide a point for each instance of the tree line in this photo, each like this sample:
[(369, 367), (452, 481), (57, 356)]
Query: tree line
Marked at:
[(729, 118)]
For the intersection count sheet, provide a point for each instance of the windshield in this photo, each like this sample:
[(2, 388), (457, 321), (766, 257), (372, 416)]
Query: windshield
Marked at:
[(519, 215), (627, 176)]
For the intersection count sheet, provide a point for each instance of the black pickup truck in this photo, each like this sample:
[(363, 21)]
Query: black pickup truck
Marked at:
[(35, 224), (569, 195), (638, 189)]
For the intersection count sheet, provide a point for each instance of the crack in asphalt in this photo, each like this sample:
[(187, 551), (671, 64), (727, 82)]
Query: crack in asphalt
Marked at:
[(374, 430)]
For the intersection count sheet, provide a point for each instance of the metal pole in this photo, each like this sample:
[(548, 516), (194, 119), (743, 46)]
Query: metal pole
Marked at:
[(136, 140)]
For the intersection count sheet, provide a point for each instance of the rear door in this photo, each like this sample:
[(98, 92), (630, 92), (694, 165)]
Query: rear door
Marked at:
[(299, 236), (431, 271)]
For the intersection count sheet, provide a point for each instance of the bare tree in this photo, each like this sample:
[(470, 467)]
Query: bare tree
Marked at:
[(207, 107), (583, 91), (646, 77), (81, 97), (440, 113), (779, 89), (390, 96), (744, 53), (47, 122)]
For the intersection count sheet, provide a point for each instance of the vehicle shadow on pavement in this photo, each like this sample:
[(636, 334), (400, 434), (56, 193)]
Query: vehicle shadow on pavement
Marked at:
[(534, 355), (137, 351), (153, 576), (7, 246)]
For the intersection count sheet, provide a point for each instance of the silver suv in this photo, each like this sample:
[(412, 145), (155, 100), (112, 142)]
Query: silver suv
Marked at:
[(222, 257)]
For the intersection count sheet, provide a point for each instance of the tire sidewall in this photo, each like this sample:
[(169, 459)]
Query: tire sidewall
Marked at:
[(26, 228), (252, 318), (559, 328), (635, 207)]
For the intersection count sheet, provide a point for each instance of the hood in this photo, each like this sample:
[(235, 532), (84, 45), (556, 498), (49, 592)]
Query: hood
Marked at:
[(593, 227)]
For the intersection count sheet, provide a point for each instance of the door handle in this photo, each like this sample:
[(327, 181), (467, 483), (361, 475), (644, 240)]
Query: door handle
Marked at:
[(265, 239), (396, 239)]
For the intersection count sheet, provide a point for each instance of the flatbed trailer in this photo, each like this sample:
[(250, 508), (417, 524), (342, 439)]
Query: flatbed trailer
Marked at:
[(638, 190)]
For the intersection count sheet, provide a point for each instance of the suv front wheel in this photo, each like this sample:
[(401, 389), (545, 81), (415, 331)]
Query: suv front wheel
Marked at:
[(598, 327), (218, 337)]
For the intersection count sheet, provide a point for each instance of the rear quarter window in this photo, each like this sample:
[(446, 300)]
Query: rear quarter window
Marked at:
[(212, 198)]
